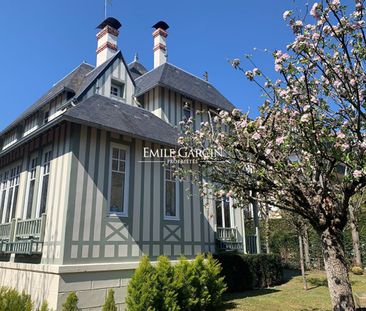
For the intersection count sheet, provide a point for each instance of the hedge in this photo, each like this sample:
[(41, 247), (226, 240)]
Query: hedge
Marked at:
[(243, 272)]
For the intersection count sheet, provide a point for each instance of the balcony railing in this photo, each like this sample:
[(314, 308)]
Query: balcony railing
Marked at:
[(23, 236), (227, 234)]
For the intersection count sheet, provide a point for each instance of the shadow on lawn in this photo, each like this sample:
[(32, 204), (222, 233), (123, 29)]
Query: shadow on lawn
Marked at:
[(228, 298)]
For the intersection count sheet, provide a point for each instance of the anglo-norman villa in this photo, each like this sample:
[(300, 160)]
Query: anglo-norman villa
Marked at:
[(79, 202)]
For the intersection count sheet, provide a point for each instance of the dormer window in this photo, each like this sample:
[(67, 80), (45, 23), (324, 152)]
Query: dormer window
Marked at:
[(10, 138), (31, 124), (117, 89), (46, 116), (187, 109)]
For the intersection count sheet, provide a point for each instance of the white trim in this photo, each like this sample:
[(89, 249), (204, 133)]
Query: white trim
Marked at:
[(166, 217), (126, 185)]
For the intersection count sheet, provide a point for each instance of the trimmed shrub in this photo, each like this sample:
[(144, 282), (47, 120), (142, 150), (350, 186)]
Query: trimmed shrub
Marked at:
[(142, 289), (71, 303), (195, 285), (243, 272), (109, 303), (44, 306), (357, 270), (12, 300)]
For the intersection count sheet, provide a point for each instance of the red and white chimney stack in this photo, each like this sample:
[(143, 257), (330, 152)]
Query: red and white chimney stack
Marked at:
[(107, 39), (160, 51)]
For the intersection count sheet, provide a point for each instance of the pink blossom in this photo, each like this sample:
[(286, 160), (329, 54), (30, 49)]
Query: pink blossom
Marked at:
[(280, 140), (341, 135), (314, 10), (286, 14), (256, 136), (305, 118), (278, 67), (336, 2), (357, 173)]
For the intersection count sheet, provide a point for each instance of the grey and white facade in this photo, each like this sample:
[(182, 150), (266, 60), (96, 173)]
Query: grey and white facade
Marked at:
[(79, 202)]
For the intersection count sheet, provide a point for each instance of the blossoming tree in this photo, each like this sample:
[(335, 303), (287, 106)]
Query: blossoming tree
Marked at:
[(305, 153)]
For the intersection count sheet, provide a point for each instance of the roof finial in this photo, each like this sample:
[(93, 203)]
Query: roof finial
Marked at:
[(136, 57), (205, 76)]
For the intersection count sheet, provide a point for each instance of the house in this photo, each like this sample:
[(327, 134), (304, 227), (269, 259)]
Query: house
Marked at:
[(80, 203)]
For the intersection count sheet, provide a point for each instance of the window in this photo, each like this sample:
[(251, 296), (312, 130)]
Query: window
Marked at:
[(171, 194), (117, 89), (46, 116), (4, 187), (187, 109), (30, 187), (10, 138), (118, 180), (223, 219), (11, 196), (46, 166), (30, 124)]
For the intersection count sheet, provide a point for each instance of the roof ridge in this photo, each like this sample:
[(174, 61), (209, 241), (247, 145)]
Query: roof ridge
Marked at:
[(191, 74)]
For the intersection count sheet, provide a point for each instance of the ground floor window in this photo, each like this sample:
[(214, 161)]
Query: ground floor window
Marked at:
[(9, 193), (31, 187), (45, 175), (223, 219)]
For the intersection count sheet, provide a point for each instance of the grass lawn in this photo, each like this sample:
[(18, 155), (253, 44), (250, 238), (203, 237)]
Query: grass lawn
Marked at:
[(290, 295)]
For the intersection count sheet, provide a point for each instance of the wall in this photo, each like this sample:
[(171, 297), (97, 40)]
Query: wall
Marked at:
[(94, 236)]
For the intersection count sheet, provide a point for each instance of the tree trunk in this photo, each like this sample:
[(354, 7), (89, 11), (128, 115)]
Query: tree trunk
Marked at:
[(267, 232), (306, 248), (355, 236), (302, 263), (335, 265)]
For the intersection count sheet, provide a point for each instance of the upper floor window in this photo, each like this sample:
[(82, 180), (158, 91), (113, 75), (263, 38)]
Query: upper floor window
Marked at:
[(10, 138), (118, 189), (187, 109), (117, 89), (223, 217), (46, 116), (171, 194), (31, 124)]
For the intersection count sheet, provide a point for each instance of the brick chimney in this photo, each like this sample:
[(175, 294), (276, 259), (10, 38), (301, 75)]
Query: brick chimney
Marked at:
[(107, 39), (160, 50)]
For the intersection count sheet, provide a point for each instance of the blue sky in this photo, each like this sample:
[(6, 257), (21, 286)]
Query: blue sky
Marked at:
[(41, 41)]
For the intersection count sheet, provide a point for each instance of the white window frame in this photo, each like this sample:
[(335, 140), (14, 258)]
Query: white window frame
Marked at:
[(177, 209), (34, 157), (41, 176), (127, 178), (120, 86)]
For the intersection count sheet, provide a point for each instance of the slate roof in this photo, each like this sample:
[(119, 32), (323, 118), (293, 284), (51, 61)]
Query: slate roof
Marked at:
[(102, 112), (170, 76), (71, 82), (136, 69)]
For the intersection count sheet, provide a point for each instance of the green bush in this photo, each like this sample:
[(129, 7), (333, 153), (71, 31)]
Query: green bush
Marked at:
[(195, 285), (44, 306), (109, 303), (71, 303), (12, 300), (243, 272)]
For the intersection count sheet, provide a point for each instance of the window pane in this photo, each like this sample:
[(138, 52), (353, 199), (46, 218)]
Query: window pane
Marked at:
[(44, 195), (15, 200), (115, 165), (7, 216), (115, 153), (117, 192), (227, 214), (170, 208), (122, 154), (218, 214), (30, 199)]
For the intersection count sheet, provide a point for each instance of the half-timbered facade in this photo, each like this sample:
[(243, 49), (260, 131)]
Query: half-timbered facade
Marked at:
[(80, 203)]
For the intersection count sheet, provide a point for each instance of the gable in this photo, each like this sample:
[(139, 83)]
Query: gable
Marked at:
[(113, 72)]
